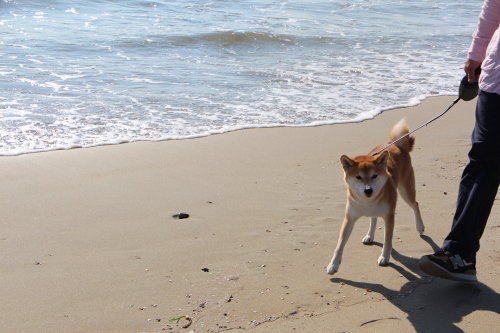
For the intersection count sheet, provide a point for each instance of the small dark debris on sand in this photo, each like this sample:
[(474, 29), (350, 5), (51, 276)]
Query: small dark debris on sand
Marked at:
[(180, 216)]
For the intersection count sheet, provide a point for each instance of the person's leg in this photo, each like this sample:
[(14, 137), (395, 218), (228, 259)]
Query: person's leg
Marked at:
[(477, 191), (480, 181)]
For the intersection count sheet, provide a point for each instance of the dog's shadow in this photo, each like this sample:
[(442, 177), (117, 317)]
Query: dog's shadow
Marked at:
[(432, 304)]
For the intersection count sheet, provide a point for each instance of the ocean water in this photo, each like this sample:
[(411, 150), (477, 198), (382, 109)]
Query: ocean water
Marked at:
[(95, 72)]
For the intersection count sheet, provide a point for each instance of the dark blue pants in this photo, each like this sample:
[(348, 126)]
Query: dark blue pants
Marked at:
[(480, 181)]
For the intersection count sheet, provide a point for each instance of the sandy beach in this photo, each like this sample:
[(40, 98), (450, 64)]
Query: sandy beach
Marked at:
[(88, 241)]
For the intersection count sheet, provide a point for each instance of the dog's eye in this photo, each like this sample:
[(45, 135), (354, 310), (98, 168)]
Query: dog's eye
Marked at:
[(359, 177), (374, 176)]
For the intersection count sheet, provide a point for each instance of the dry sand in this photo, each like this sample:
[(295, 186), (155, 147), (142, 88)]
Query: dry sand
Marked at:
[(88, 242)]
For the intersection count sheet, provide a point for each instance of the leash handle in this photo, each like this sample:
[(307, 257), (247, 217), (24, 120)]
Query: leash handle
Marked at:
[(416, 129)]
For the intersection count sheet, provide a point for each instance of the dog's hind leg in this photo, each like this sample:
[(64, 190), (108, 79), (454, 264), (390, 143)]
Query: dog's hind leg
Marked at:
[(419, 224), (408, 193), (370, 236), (345, 232), (385, 257)]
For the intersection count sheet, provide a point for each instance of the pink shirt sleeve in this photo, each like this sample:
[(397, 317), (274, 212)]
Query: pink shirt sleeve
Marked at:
[(489, 21)]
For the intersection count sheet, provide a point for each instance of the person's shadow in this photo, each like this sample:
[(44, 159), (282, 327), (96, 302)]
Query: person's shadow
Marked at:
[(432, 304)]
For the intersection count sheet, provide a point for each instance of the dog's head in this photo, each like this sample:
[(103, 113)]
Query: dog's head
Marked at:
[(365, 175)]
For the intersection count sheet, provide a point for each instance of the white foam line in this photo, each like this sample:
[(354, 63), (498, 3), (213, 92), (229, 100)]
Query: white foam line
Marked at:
[(224, 129)]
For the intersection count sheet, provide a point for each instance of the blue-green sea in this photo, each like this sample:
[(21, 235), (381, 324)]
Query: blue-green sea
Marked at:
[(96, 72)]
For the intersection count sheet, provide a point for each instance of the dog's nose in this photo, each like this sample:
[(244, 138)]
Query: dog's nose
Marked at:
[(368, 190)]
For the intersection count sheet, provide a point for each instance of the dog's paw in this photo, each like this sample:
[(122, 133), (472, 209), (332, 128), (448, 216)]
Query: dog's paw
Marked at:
[(420, 228), (383, 261), (367, 240), (332, 268)]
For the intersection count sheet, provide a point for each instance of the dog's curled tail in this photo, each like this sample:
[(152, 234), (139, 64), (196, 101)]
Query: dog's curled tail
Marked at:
[(399, 130)]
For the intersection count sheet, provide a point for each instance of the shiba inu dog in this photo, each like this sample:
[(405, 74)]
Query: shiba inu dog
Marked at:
[(372, 186)]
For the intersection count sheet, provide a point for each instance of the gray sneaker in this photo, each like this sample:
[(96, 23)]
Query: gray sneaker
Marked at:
[(445, 265)]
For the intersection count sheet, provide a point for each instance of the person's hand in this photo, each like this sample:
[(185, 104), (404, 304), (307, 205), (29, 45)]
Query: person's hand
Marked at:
[(470, 69)]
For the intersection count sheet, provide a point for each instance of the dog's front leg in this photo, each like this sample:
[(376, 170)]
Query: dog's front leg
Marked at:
[(370, 236), (345, 232), (385, 257)]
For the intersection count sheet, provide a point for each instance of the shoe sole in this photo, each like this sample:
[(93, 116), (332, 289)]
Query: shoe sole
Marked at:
[(433, 269)]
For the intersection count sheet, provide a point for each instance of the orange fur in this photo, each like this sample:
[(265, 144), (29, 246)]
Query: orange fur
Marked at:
[(372, 186)]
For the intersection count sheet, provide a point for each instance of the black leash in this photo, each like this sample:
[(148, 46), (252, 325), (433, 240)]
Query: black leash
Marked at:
[(467, 91), (416, 129)]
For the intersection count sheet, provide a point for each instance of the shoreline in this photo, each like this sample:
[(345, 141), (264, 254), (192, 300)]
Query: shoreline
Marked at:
[(369, 115), (88, 242)]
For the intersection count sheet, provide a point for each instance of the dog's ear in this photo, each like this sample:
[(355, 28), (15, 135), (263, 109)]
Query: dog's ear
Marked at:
[(383, 158), (347, 163)]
